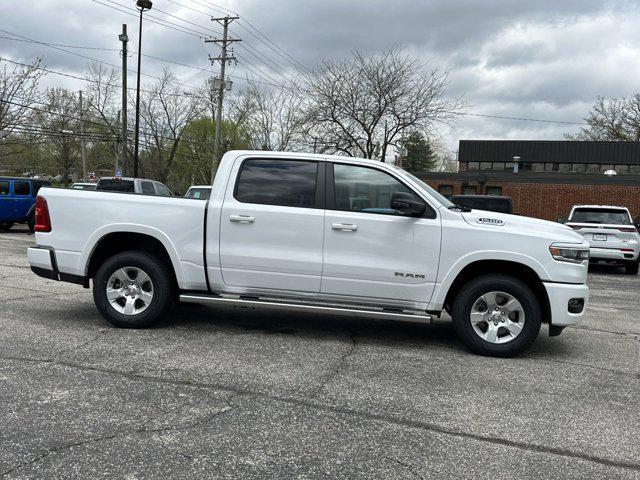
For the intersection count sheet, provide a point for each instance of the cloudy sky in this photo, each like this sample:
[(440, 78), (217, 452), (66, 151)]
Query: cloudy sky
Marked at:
[(541, 59)]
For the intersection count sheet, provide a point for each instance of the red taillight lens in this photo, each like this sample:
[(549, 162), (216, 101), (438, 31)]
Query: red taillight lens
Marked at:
[(43, 221)]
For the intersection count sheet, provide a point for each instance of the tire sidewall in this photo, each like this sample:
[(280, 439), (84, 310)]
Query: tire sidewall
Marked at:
[(477, 287), (162, 291)]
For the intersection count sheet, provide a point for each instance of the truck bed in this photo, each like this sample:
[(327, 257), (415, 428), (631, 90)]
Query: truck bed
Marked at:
[(81, 218)]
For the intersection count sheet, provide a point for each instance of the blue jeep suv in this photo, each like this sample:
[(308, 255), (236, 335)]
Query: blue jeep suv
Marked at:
[(18, 201)]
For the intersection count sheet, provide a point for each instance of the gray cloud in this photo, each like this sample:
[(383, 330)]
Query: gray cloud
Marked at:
[(543, 58)]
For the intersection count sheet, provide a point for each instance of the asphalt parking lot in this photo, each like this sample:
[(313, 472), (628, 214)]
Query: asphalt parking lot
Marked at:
[(226, 393)]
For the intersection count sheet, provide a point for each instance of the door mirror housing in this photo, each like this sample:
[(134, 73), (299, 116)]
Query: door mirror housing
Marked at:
[(407, 204)]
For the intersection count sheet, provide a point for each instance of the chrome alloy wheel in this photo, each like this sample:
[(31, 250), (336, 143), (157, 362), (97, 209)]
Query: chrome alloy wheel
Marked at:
[(497, 317), (129, 291)]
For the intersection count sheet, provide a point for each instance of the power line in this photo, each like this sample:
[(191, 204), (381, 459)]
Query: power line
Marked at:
[(62, 46), (522, 119)]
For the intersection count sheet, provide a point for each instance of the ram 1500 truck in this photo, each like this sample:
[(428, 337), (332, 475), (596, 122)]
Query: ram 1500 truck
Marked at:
[(304, 232)]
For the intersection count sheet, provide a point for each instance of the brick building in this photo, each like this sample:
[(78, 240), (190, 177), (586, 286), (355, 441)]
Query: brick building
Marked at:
[(552, 175)]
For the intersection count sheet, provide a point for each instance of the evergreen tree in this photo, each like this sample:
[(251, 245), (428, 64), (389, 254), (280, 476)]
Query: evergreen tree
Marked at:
[(419, 155)]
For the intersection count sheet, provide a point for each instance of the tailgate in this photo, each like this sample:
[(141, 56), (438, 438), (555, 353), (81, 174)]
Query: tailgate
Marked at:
[(605, 236)]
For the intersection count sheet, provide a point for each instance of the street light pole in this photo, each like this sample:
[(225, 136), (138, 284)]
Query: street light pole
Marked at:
[(142, 6)]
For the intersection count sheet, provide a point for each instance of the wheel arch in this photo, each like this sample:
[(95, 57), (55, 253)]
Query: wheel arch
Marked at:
[(510, 268), (107, 243)]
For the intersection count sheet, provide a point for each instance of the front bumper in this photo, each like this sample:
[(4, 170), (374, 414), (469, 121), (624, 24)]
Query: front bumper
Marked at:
[(559, 296), (612, 255)]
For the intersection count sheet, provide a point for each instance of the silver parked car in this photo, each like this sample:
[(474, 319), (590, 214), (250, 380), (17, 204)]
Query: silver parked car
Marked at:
[(611, 233)]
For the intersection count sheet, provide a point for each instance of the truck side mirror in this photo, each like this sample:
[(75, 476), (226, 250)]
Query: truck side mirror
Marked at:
[(407, 204)]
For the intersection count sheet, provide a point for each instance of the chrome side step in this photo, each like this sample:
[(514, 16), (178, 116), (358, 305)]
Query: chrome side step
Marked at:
[(279, 304)]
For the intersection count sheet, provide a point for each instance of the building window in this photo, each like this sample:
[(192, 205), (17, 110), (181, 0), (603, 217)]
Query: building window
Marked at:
[(578, 168), (524, 167), (497, 191), (537, 167), (446, 190), (564, 168), (471, 166), (485, 165), (551, 167), (469, 190), (604, 168), (622, 169), (508, 166), (498, 166), (634, 169), (593, 168)]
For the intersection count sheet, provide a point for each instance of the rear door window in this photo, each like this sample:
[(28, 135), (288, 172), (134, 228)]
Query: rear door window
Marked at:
[(21, 188), (4, 188), (287, 183), (601, 215)]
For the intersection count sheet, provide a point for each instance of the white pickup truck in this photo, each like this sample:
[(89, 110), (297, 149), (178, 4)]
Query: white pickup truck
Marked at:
[(304, 232)]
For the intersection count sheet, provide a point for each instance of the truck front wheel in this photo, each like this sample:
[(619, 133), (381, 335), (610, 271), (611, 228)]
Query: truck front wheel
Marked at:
[(497, 315), (132, 290)]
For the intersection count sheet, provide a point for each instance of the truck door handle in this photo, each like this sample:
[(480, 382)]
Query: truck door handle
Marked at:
[(242, 218), (344, 227)]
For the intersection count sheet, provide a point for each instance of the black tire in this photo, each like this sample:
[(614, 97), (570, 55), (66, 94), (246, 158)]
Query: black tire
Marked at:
[(162, 287), (631, 268), (5, 227), (472, 291), (31, 223)]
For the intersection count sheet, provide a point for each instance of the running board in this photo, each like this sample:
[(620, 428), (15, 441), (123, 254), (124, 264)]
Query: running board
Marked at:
[(279, 304)]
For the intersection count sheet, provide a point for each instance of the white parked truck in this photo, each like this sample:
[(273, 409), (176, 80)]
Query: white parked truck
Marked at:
[(304, 232), (611, 233)]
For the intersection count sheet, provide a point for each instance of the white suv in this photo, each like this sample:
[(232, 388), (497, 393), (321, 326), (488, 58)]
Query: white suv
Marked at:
[(611, 233)]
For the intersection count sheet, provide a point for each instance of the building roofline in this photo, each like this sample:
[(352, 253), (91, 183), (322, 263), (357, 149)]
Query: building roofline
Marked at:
[(526, 177)]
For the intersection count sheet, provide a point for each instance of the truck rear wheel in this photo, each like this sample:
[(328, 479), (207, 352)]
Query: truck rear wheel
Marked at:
[(133, 289), (497, 315)]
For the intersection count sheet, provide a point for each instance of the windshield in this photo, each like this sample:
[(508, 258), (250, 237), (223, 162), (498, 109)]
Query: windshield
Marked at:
[(601, 215), (442, 200), (116, 185)]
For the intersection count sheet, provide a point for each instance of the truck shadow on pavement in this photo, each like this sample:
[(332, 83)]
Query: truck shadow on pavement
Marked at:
[(312, 325)]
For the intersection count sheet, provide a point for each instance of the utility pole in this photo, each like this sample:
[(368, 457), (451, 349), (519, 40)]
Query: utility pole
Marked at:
[(118, 150), (124, 38), (221, 83), (83, 149)]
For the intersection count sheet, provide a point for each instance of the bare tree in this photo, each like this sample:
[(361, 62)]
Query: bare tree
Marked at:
[(274, 119), (164, 111), (58, 122), (102, 108), (616, 119), (362, 105), (18, 92)]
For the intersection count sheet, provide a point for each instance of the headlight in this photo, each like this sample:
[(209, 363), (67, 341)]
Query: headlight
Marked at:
[(568, 254)]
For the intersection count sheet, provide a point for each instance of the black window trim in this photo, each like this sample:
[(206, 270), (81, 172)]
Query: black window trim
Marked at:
[(319, 203), (429, 213)]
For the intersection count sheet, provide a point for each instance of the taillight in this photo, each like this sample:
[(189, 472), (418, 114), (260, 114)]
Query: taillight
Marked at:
[(43, 221), (627, 229), (575, 227)]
